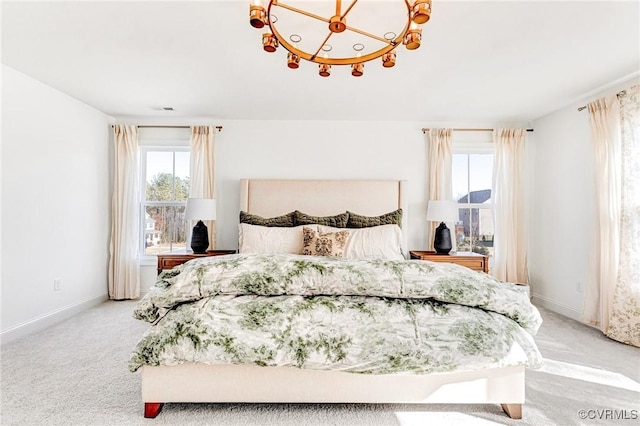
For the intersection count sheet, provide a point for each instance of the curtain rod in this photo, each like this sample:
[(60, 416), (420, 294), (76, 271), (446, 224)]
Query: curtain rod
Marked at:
[(583, 107), (219, 128), (426, 129)]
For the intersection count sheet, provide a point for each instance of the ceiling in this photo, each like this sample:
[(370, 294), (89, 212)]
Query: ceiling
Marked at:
[(479, 60)]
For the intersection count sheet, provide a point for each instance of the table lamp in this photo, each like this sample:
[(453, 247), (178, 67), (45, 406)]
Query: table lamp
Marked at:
[(200, 209), (442, 211)]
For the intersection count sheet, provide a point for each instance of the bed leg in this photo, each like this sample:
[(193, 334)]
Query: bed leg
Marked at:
[(513, 410), (152, 409)]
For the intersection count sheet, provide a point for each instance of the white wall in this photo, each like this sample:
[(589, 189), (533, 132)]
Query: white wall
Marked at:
[(563, 207), (55, 203)]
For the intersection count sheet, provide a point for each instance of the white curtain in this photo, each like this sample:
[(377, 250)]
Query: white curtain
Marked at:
[(124, 277), (605, 141), (508, 193), (202, 183), (439, 164), (613, 299)]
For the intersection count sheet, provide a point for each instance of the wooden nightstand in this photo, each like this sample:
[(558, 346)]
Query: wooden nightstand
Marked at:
[(475, 261), (170, 260)]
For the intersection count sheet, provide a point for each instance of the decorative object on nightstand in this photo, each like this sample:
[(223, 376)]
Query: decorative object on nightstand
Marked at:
[(200, 209), (442, 211)]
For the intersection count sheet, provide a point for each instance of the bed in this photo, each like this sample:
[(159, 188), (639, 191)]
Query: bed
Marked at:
[(187, 375)]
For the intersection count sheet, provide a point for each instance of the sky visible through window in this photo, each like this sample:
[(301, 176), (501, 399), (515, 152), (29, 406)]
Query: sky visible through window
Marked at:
[(162, 162), (471, 172)]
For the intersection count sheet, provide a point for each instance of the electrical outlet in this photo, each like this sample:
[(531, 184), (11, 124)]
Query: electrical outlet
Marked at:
[(579, 287), (57, 284)]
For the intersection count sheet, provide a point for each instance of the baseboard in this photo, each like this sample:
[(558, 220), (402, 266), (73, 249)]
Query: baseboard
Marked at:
[(556, 307), (47, 320)]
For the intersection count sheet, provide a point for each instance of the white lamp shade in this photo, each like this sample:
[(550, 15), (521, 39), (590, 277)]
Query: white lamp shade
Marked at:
[(200, 209), (442, 211)]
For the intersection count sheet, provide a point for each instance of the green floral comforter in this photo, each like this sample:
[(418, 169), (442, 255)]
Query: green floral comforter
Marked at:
[(360, 316)]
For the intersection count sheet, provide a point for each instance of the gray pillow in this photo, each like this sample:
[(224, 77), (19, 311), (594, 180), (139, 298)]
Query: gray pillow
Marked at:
[(283, 221), (337, 221), (359, 221)]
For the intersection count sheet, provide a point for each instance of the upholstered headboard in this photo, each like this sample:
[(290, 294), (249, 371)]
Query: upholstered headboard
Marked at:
[(275, 197)]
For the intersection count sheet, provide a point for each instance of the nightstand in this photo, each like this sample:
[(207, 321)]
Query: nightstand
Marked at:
[(475, 261), (172, 259)]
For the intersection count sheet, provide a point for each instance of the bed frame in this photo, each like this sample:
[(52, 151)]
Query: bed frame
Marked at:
[(254, 384)]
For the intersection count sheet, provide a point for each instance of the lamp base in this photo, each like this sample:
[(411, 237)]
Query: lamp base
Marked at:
[(442, 241), (200, 238)]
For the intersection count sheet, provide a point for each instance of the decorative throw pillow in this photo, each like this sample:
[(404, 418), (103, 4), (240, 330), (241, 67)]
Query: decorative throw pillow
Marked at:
[(337, 221), (359, 221), (278, 221), (324, 243)]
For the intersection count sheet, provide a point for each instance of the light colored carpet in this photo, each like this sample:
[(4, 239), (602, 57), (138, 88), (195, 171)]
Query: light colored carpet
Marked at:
[(75, 373)]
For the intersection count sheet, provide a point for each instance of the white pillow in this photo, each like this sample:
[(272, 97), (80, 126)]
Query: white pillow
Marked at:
[(376, 242), (264, 239)]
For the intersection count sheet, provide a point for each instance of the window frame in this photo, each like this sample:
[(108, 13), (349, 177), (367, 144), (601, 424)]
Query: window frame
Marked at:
[(469, 148), (148, 259)]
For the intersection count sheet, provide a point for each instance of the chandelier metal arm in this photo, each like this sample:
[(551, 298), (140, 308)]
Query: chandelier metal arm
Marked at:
[(353, 3), (364, 33), (315, 55), (320, 18), (302, 12)]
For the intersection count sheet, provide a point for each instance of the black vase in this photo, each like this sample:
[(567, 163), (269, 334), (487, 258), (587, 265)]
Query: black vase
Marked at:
[(442, 241), (200, 238)]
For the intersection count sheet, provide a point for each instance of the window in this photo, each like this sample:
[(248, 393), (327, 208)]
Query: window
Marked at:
[(471, 180), (165, 172)]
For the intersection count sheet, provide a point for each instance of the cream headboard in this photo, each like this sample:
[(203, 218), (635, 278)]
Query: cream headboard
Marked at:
[(275, 197)]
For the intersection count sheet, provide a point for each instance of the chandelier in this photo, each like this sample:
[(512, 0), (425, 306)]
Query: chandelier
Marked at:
[(328, 34)]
